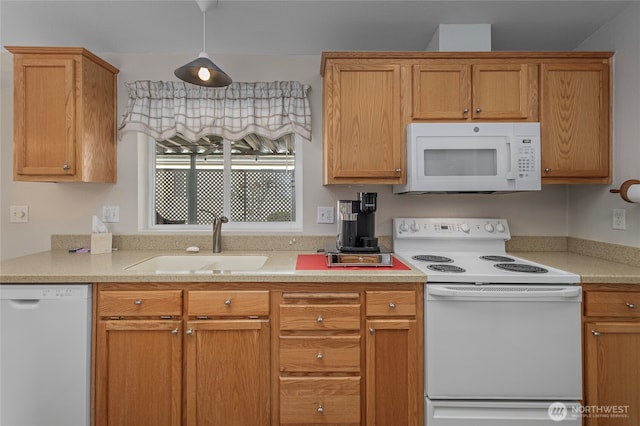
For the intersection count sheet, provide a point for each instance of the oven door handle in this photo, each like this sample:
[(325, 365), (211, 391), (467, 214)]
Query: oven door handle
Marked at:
[(485, 292)]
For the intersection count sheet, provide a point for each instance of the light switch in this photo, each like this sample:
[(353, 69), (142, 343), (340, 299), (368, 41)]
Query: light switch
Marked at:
[(19, 214), (111, 214)]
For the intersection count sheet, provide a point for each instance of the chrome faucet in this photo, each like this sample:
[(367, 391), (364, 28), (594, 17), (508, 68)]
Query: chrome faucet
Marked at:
[(217, 229)]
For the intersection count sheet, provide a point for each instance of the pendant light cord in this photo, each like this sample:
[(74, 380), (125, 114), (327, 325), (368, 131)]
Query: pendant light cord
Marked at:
[(204, 31)]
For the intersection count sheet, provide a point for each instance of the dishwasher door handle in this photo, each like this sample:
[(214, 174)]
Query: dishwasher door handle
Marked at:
[(24, 303), (503, 292)]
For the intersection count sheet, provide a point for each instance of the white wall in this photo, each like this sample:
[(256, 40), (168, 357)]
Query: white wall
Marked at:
[(590, 205), (67, 208)]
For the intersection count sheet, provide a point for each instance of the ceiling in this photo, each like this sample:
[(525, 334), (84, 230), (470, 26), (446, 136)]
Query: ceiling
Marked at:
[(304, 27)]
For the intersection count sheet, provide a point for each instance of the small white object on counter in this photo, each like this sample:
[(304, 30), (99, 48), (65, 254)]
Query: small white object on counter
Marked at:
[(193, 249)]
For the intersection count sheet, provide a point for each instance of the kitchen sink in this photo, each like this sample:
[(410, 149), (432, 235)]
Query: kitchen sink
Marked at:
[(195, 264)]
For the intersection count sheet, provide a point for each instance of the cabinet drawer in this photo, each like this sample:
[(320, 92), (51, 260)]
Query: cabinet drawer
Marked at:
[(140, 303), (320, 354), (228, 303), (612, 304), (320, 400), (391, 303), (320, 317)]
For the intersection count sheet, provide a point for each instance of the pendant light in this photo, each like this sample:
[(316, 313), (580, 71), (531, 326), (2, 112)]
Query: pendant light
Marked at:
[(202, 71)]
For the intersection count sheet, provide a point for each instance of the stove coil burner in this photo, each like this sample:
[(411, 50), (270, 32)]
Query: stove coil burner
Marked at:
[(432, 258), (521, 267), (446, 268), (495, 258)]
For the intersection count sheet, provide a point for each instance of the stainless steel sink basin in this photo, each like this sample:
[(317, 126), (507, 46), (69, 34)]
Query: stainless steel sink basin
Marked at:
[(197, 264)]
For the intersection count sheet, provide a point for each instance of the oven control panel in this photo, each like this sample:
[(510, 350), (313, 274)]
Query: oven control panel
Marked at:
[(451, 228)]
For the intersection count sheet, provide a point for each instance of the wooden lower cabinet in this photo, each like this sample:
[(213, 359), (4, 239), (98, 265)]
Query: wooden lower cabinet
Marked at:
[(391, 365), (254, 354), (227, 372), (138, 380), (612, 355)]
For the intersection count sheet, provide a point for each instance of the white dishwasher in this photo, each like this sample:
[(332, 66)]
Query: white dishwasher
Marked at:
[(45, 354)]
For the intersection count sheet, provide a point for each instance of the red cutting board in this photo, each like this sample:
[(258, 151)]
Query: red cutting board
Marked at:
[(317, 262)]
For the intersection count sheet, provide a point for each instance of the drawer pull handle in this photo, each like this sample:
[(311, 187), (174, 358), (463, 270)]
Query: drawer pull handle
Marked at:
[(174, 331), (227, 302), (632, 305), (320, 409), (595, 333), (320, 320), (392, 305), (138, 302), (320, 356)]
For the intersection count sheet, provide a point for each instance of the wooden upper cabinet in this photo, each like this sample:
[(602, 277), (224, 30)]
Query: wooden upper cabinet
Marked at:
[(575, 122), (446, 90), (363, 135), (64, 115)]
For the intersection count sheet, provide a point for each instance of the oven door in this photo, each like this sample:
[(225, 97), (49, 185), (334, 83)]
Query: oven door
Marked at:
[(512, 342)]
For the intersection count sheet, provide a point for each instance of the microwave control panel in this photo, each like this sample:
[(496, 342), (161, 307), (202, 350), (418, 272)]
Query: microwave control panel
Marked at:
[(527, 158)]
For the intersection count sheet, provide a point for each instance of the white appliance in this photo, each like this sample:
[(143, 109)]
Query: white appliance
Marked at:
[(502, 334), (45, 355), (472, 157)]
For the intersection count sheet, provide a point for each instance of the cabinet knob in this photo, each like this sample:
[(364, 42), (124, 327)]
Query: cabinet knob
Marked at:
[(65, 167), (189, 331), (320, 320), (372, 331), (320, 356), (631, 305), (174, 331), (478, 109), (320, 409), (466, 110), (547, 169), (138, 301), (392, 305), (398, 170), (595, 333), (227, 302)]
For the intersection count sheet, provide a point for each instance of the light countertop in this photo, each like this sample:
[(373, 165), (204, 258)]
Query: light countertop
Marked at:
[(60, 266), (64, 267), (591, 269)]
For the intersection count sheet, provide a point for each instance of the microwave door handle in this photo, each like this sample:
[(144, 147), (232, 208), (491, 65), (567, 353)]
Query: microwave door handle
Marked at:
[(513, 158)]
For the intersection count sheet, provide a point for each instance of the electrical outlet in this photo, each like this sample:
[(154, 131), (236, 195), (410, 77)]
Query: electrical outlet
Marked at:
[(619, 219), (326, 215), (111, 214), (18, 214)]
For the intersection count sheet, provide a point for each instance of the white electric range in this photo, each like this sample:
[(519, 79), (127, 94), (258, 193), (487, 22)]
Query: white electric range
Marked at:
[(502, 334)]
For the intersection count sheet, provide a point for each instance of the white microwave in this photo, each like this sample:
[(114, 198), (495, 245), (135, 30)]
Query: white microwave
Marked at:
[(472, 157)]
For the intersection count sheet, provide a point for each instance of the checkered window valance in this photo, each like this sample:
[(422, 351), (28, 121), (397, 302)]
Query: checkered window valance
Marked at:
[(162, 109)]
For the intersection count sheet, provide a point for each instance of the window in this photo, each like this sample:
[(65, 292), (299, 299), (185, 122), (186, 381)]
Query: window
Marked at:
[(208, 151), (252, 181)]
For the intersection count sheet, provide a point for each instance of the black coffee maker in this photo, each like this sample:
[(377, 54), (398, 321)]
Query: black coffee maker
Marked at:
[(356, 224)]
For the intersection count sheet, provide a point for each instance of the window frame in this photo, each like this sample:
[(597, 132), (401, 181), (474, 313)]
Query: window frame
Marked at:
[(146, 195)]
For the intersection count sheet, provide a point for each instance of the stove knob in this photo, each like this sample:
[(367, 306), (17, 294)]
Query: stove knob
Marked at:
[(500, 227), (404, 227), (489, 227), (465, 228), (415, 227)]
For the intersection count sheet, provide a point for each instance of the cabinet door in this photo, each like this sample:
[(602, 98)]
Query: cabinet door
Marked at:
[(138, 373), (45, 116), (364, 139), (392, 385), (441, 91), (574, 120), (227, 372), (504, 92), (612, 372)]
